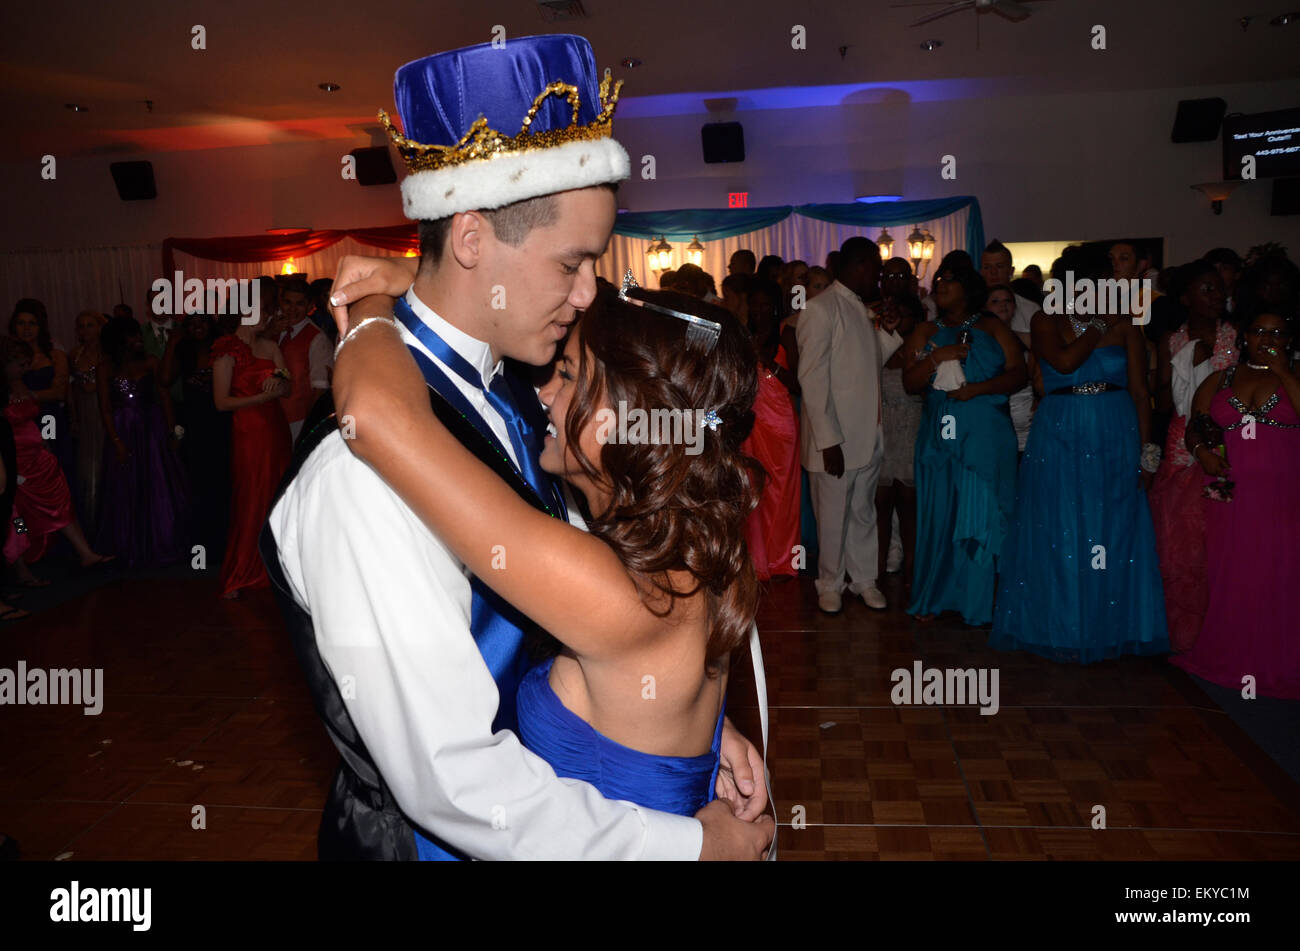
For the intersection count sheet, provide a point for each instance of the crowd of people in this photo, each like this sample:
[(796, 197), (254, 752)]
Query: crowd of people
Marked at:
[(1082, 485), (160, 442)]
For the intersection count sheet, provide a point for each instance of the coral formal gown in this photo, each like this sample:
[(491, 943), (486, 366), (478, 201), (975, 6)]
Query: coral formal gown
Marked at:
[(772, 529), (260, 450)]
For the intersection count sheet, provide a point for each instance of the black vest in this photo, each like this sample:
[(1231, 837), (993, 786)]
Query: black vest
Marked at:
[(361, 818)]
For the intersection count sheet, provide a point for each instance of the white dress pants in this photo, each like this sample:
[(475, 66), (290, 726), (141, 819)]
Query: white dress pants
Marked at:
[(846, 524)]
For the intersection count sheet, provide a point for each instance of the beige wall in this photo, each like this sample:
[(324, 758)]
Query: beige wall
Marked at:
[(1088, 166)]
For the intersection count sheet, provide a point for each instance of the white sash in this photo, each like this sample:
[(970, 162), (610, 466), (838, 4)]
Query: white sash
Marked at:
[(760, 689)]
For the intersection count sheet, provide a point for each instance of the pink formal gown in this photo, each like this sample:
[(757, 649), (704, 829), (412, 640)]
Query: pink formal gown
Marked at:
[(42, 500), (1253, 560), (1178, 511)]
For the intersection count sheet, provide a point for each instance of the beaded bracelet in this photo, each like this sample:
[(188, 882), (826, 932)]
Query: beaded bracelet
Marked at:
[(353, 330)]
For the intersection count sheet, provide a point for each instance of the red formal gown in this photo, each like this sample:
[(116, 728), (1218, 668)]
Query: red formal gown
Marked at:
[(42, 499), (772, 529), (259, 454)]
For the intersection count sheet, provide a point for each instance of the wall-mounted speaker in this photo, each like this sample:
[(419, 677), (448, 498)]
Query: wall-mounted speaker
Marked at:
[(723, 142), (1198, 120), (134, 180), (374, 166), (1286, 196)]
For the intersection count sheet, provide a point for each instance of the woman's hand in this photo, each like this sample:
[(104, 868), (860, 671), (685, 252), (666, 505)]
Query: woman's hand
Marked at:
[(359, 276), (1275, 359), (954, 351), (963, 393), (1213, 463), (741, 781), (270, 384)]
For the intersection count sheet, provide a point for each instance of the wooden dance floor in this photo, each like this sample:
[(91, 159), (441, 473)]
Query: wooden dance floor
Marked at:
[(204, 706)]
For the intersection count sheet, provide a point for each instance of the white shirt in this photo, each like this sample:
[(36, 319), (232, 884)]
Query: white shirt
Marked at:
[(390, 605), (319, 355), (1023, 318), (1021, 402)]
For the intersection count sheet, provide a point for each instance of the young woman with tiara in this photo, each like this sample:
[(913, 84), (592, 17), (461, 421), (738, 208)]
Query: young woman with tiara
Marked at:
[(645, 608)]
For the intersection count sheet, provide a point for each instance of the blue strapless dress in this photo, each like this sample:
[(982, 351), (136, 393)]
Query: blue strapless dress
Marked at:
[(965, 488), (676, 784), (1079, 488)]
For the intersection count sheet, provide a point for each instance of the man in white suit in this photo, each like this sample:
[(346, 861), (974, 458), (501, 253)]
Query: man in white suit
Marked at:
[(840, 356)]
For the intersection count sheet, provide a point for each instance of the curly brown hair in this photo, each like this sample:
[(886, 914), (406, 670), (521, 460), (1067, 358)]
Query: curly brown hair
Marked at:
[(672, 511)]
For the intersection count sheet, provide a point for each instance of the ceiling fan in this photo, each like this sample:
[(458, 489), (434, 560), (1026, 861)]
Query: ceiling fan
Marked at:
[(1012, 10)]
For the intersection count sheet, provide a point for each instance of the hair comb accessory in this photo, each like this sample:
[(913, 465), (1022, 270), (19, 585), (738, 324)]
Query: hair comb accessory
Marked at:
[(699, 332), (712, 420)]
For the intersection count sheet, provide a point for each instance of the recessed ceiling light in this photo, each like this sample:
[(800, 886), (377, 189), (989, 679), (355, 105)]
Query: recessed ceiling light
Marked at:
[(1282, 19), (74, 107), (329, 87), (631, 62), (931, 45)]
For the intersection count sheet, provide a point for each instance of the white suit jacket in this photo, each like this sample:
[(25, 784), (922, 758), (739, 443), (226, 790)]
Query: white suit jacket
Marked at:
[(840, 356)]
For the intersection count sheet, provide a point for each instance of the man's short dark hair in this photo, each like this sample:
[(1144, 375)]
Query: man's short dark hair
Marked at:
[(1140, 249), (1221, 256), (510, 223), (296, 286), (320, 291), (857, 248), (746, 255), (997, 247)]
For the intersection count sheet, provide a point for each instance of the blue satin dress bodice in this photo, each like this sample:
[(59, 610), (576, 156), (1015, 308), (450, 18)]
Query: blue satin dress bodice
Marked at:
[(1104, 365), (1080, 581), (676, 784)]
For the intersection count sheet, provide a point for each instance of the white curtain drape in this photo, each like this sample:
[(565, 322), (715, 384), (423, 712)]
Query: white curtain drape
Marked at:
[(794, 238), (70, 280)]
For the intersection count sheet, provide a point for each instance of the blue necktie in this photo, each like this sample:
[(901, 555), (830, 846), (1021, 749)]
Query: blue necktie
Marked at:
[(524, 437)]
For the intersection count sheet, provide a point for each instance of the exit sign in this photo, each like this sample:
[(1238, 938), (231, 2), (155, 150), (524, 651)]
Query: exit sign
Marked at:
[(738, 199)]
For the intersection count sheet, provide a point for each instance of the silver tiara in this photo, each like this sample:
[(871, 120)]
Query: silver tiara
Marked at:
[(699, 331)]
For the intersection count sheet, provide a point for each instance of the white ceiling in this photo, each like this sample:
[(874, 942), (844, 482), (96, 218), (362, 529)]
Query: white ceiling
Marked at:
[(257, 80)]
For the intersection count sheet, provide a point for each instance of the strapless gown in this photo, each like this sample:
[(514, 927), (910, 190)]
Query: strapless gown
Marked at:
[(772, 529), (43, 501), (260, 451), (678, 784), (1079, 578), (145, 498)]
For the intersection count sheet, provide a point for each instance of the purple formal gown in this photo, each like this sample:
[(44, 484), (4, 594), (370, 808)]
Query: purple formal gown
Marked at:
[(144, 499), (1251, 627)]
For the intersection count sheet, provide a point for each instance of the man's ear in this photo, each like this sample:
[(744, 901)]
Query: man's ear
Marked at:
[(467, 237)]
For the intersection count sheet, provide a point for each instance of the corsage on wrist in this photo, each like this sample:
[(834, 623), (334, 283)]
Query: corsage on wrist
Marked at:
[(1150, 457)]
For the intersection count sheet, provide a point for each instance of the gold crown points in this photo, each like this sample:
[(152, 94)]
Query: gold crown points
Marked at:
[(483, 142)]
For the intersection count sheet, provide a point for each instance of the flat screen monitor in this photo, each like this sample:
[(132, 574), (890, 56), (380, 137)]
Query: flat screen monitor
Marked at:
[(1272, 137)]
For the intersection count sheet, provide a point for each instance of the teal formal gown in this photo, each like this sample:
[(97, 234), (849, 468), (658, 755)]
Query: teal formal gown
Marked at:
[(965, 488), (1080, 581)]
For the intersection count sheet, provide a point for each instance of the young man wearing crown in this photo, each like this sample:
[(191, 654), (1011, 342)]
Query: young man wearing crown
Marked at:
[(413, 664)]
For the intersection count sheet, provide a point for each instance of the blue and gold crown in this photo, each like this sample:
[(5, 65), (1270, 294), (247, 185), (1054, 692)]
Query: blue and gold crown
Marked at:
[(452, 106)]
